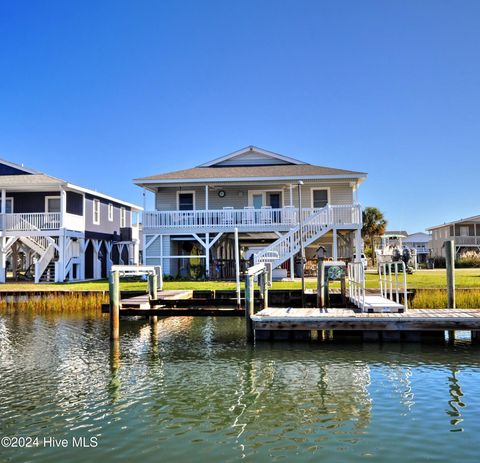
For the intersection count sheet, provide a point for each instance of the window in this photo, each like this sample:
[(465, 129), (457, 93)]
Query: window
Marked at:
[(186, 201), (52, 204), (9, 206), (96, 212), (123, 217), (110, 212), (319, 198), (464, 230)]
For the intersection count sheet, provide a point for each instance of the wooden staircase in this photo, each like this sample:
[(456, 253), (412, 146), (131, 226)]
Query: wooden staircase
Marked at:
[(314, 226)]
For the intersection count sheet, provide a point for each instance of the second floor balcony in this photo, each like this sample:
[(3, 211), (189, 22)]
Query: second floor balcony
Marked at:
[(249, 219), (40, 222)]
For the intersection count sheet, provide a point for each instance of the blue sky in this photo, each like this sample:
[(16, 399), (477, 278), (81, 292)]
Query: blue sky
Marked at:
[(101, 92)]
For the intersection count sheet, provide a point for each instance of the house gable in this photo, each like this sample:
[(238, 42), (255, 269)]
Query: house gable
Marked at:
[(252, 156), (9, 168)]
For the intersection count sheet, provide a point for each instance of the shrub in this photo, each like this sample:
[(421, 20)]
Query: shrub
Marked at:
[(468, 259)]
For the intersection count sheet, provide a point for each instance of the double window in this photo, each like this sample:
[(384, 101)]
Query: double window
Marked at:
[(110, 212)]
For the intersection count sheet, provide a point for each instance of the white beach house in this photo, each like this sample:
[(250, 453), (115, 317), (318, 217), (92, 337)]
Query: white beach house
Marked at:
[(191, 230)]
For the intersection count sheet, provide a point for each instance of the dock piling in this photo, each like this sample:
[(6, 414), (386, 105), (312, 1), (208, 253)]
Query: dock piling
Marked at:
[(249, 307), (450, 264), (114, 289)]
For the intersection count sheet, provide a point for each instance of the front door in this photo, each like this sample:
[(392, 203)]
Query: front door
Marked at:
[(257, 200), (273, 200)]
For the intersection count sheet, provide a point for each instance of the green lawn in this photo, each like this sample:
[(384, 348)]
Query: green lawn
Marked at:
[(465, 278)]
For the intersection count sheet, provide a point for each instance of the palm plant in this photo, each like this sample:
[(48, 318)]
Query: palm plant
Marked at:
[(374, 225)]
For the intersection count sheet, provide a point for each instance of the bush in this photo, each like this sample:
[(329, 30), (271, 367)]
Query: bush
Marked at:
[(468, 259)]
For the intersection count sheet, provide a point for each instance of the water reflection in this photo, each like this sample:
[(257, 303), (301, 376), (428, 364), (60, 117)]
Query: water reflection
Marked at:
[(192, 387)]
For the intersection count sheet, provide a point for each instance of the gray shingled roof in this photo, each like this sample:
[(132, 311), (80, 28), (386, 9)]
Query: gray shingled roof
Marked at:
[(29, 180), (287, 171)]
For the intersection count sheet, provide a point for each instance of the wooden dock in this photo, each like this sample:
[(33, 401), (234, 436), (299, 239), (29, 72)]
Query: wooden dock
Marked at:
[(413, 325)]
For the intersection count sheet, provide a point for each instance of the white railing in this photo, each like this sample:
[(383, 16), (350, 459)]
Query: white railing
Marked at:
[(316, 223), (356, 284), (393, 281), (42, 263), (248, 217), (467, 240), (31, 221)]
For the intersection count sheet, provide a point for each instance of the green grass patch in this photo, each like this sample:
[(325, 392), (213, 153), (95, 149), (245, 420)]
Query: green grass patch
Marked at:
[(422, 279)]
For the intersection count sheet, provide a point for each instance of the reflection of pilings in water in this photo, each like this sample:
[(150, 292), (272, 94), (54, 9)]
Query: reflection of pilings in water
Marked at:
[(401, 380), (114, 383), (246, 388), (455, 403)]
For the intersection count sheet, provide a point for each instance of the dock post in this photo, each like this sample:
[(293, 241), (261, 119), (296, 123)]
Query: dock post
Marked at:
[(237, 269), (265, 280), (249, 307), (152, 294), (158, 273), (321, 302), (114, 289), (450, 264)]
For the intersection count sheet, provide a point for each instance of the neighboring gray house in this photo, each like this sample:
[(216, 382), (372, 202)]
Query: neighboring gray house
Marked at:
[(465, 233), (52, 230), (191, 230)]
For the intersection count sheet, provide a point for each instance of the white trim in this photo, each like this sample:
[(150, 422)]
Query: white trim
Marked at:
[(319, 188), (94, 202), (250, 194), (123, 217), (59, 197), (249, 149), (181, 192), (110, 212), (140, 182)]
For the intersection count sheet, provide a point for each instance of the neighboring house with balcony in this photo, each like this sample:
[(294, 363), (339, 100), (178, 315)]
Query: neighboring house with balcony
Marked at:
[(421, 243), (52, 230), (191, 230), (465, 233)]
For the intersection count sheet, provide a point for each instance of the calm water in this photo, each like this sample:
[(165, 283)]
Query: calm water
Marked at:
[(193, 391)]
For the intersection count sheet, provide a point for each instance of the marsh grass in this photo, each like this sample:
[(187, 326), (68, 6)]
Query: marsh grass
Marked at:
[(438, 299), (56, 302)]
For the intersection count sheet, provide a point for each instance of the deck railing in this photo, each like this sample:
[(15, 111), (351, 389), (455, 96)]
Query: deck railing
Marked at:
[(248, 218), (467, 240), (30, 221)]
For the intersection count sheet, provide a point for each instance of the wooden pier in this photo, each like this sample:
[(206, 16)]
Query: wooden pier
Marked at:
[(271, 323)]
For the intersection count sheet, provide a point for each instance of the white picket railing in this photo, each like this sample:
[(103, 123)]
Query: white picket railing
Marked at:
[(356, 284), (31, 221), (393, 281), (247, 218)]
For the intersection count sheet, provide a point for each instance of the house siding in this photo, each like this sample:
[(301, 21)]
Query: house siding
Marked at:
[(30, 202), (105, 226), (236, 196)]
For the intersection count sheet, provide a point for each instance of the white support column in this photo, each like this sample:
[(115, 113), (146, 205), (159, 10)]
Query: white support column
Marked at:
[(3, 259), (97, 266), (83, 248), (292, 268), (60, 267), (358, 246), (161, 253), (4, 200), (207, 255), (291, 195), (63, 207), (206, 197), (335, 245)]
